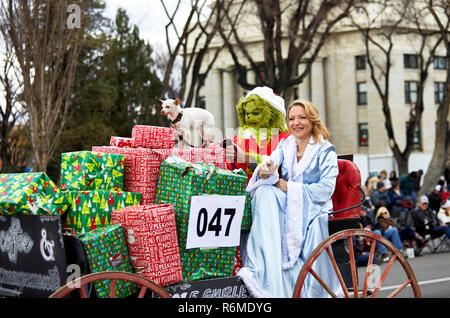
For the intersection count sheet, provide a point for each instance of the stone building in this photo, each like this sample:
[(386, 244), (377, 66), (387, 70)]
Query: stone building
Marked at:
[(339, 84)]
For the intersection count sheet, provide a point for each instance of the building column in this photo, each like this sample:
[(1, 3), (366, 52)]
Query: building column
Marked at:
[(305, 86), (229, 107), (213, 97), (318, 88)]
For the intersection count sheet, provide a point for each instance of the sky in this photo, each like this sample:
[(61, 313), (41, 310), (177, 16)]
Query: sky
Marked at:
[(148, 15)]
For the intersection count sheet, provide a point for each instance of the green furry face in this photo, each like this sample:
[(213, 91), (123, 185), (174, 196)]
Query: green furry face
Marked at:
[(255, 112)]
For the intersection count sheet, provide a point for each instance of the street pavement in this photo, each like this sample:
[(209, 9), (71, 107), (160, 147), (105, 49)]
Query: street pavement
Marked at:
[(432, 271)]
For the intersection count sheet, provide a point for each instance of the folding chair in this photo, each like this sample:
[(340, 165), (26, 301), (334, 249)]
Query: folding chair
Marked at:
[(437, 242)]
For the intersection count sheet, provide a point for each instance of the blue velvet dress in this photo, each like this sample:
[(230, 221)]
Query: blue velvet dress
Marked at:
[(288, 226)]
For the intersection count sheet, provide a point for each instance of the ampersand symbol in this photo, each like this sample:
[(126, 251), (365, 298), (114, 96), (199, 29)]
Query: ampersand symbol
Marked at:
[(46, 247)]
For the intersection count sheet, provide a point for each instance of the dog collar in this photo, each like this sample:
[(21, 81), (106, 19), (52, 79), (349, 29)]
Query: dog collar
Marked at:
[(176, 120)]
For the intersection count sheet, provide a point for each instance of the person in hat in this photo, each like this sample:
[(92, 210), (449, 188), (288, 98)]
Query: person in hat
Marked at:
[(435, 199), (380, 196), (426, 221), (291, 198), (444, 213), (262, 118)]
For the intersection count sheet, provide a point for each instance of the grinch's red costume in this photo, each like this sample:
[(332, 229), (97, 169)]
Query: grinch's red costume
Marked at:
[(251, 146)]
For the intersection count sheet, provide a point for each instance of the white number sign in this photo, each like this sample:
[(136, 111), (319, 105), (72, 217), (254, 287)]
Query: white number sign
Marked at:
[(215, 221)]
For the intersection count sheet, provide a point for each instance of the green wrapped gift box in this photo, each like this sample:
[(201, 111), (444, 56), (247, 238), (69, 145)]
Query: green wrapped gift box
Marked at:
[(30, 193), (87, 170), (91, 209), (178, 182), (106, 250)]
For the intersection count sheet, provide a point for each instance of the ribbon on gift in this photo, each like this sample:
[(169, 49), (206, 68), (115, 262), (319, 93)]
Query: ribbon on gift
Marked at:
[(200, 168)]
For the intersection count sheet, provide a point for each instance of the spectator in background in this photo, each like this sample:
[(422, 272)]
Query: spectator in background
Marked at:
[(444, 213), (380, 197), (435, 199), (442, 183), (406, 182), (361, 250), (417, 180), (383, 177), (388, 227), (399, 202), (426, 221), (393, 176), (366, 223), (447, 174), (371, 184)]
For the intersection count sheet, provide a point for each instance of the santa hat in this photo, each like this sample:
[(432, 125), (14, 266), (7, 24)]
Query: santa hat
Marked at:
[(267, 94)]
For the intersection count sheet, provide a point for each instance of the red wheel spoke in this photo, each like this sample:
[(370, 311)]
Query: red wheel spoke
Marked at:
[(113, 277), (142, 292), (369, 267), (353, 266), (383, 277), (322, 283), (398, 290), (112, 289), (83, 292), (373, 239), (338, 272)]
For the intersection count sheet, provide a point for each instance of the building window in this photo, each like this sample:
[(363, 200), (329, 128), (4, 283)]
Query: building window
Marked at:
[(440, 63), (361, 93), (360, 61), (439, 88), (411, 88), (417, 145), (363, 134), (411, 60)]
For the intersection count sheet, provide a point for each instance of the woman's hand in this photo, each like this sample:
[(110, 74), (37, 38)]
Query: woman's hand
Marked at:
[(282, 184), (267, 169)]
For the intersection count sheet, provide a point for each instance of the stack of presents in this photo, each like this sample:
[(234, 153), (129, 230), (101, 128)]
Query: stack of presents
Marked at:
[(129, 205)]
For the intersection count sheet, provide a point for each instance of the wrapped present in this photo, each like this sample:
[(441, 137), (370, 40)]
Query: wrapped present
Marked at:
[(87, 170), (153, 137), (178, 182), (30, 193), (142, 165), (121, 141), (106, 250), (92, 209), (151, 235)]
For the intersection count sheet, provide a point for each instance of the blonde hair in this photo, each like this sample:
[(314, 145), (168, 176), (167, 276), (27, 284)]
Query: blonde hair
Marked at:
[(318, 127), (380, 210)]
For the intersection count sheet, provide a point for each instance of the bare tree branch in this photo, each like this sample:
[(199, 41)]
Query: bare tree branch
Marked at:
[(47, 52)]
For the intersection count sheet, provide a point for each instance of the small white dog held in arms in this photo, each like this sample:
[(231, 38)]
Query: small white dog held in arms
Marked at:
[(186, 120)]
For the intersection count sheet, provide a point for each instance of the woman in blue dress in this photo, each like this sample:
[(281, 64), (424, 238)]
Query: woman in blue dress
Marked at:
[(290, 211)]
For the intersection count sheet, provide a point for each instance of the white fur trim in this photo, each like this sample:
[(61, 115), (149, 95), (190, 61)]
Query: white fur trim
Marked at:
[(256, 181), (294, 215), (267, 94), (250, 282), (294, 222)]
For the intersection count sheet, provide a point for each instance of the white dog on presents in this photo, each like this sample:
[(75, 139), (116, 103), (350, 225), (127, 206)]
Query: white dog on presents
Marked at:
[(188, 120)]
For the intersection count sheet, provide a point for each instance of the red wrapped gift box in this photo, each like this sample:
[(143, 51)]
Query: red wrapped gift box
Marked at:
[(151, 235), (121, 141), (153, 137), (142, 165)]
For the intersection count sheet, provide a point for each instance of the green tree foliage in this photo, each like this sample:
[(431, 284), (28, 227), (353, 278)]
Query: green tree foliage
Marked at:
[(116, 86)]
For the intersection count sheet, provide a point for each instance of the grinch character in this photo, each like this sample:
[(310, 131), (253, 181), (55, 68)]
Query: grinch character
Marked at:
[(262, 125)]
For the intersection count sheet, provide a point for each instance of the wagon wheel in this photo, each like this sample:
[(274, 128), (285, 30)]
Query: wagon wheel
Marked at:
[(348, 234), (79, 283)]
